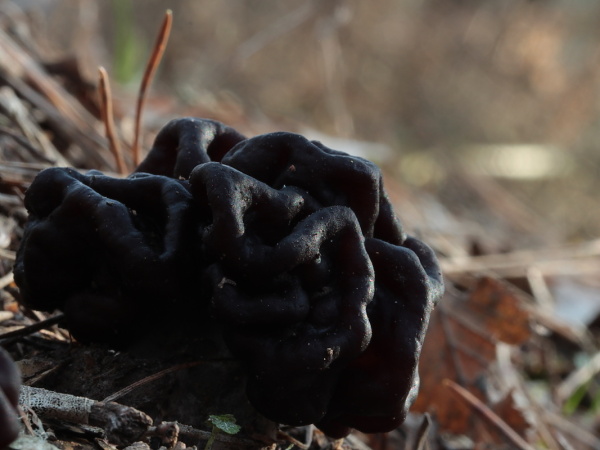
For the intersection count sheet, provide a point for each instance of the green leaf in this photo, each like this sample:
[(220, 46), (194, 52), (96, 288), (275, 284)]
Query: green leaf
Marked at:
[(574, 401), (127, 63), (226, 423)]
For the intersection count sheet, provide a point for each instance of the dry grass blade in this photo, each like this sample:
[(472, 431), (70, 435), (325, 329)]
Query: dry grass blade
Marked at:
[(30, 329), (24, 143), (578, 378), (6, 280), (108, 119), (421, 441), (572, 429), (28, 78), (126, 390), (489, 415), (275, 30), (192, 433), (157, 52)]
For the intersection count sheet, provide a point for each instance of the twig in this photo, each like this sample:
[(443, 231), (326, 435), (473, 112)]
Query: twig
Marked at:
[(6, 280), (513, 384), (560, 260), (489, 415), (421, 441), (154, 61), (451, 343), (126, 390), (187, 432), (272, 32), (30, 329), (9, 200), (356, 443), (282, 435), (21, 71), (25, 144), (106, 107), (577, 432), (122, 424), (579, 378)]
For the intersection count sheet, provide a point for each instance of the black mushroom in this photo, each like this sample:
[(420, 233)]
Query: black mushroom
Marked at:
[(184, 143), (372, 391), (292, 246), (10, 382), (291, 287), (108, 252), (322, 176), (377, 388)]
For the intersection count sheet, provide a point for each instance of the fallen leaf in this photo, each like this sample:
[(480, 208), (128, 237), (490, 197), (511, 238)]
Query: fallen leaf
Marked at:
[(500, 307), (461, 346)]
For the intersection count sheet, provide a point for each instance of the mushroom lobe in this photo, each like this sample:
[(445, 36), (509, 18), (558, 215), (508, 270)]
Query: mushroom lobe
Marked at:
[(109, 252), (184, 143), (290, 286), (372, 390)]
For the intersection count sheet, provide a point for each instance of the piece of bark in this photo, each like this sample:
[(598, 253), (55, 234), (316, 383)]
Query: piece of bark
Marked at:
[(122, 425)]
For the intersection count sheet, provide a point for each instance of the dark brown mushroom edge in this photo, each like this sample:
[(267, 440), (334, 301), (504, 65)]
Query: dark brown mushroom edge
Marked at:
[(293, 248)]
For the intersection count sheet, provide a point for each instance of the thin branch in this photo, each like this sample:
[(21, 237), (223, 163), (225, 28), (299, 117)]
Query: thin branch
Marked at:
[(154, 61), (577, 432), (30, 329), (7, 280), (273, 31), (194, 434), (451, 343), (489, 415), (281, 435), (578, 378), (122, 424), (421, 441), (126, 390), (25, 143), (106, 106)]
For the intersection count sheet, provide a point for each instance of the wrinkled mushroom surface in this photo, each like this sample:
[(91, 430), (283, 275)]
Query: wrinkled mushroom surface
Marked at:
[(184, 143), (291, 287), (109, 252), (293, 248), (324, 177), (377, 388)]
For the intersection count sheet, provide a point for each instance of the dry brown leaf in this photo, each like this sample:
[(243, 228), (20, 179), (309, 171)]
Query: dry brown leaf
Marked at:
[(461, 346), (441, 358), (514, 414), (497, 303)]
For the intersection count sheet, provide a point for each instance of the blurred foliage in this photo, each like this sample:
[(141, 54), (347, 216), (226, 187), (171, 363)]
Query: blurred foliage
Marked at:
[(432, 78), (127, 61)]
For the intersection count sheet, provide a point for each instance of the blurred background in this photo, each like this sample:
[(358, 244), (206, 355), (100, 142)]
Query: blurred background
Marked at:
[(492, 108), (482, 114)]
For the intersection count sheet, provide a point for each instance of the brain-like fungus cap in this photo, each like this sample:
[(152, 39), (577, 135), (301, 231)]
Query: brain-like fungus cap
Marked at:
[(106, 250), (294, 247), (184, 143), (291, 288), (324, 177), (373, 391), (377, 388)]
